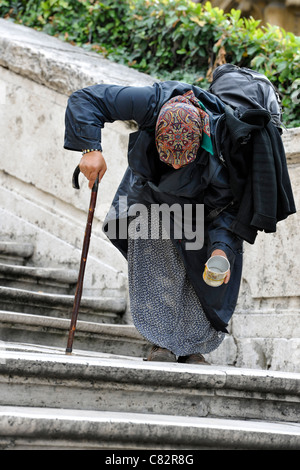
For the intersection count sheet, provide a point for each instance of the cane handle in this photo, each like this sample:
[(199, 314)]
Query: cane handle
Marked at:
[(75, 180)]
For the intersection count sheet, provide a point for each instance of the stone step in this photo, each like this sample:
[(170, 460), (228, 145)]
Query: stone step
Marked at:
[(48, 378), (53, 280), (27, 428), (96, 309), (89, 336), (15, 252)]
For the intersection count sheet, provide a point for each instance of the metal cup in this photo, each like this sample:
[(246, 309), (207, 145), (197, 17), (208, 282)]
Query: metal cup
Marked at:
[(216, 269)]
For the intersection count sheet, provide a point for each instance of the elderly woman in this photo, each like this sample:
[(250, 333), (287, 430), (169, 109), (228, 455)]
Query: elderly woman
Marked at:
[(171, 160)]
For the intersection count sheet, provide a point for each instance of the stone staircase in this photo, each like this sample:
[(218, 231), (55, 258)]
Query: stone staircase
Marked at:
[(104, 395), (36, 305)]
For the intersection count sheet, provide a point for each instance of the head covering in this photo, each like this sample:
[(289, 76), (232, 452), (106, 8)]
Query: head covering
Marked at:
[(181, 125)]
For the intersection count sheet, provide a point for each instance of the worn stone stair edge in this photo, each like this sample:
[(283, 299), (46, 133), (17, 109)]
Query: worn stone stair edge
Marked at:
[(114, 330), (145, 429), (109, 304), (69, 276), (43, 349), (22, 250), (68, 367)]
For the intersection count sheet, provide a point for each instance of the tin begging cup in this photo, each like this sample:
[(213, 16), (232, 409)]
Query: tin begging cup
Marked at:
[(216, 269)]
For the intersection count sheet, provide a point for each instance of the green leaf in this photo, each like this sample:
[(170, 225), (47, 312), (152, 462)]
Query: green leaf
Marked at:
[(170, 38)]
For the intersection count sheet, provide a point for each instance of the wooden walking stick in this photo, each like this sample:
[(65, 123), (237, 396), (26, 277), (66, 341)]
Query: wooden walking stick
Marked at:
[(85, 249)]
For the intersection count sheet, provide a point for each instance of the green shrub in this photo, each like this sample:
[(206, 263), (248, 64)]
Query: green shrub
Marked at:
[(171, 39)]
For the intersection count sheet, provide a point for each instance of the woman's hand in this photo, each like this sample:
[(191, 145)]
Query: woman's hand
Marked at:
[(91, 165), (222, 253)]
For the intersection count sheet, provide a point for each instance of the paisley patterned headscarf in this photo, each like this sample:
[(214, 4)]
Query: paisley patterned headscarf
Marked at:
[(181, 125)]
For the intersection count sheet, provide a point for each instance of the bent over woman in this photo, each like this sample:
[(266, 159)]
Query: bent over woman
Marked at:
[(171, 163)]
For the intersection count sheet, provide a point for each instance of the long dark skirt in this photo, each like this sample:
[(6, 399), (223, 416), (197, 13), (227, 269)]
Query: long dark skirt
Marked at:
[(164, 306)]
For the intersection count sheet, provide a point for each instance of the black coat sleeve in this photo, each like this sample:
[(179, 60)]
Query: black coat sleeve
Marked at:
[(90, 108)]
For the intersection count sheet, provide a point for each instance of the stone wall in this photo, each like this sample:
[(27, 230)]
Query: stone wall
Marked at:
[(283, 13), (38, 203)]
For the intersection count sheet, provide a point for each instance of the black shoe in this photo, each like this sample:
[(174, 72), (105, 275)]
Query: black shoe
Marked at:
[(193, 359), (161, 355)]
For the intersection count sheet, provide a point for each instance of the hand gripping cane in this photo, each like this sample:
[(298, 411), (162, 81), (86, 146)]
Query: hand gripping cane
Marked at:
[(85, 249)]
